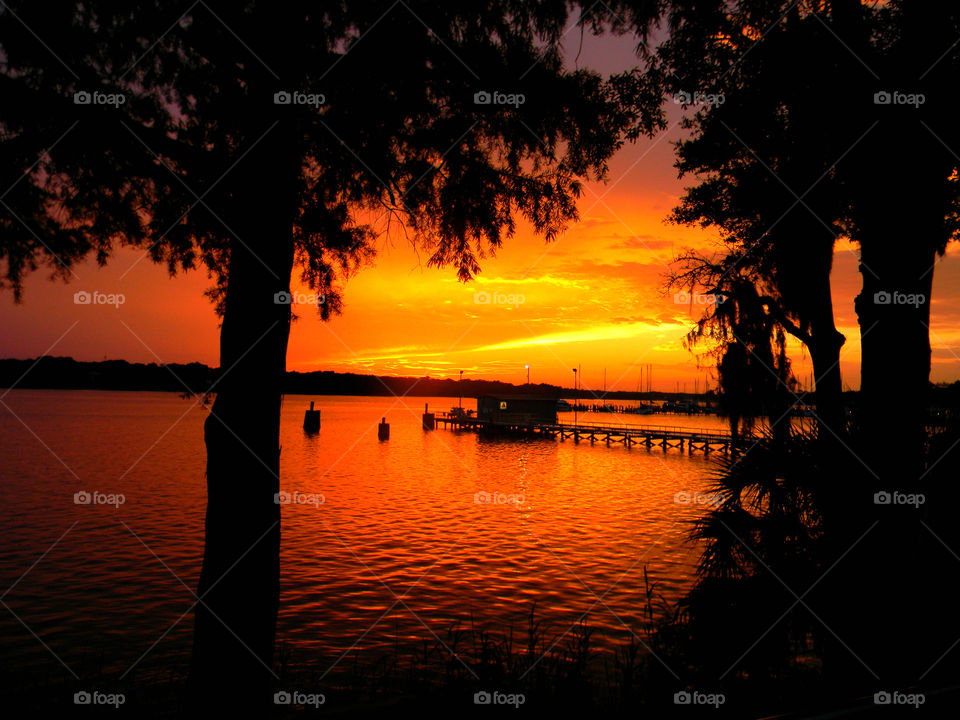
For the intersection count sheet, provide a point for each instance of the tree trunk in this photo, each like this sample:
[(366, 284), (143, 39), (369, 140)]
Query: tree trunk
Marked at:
[(239, 582), (873, 600), (804, 257), (884, 577), (825, 355), (894, 312), (779, 400), (907, 197)]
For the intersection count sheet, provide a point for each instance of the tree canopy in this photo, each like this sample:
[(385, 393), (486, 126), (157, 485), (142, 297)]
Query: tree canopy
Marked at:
[(381, 106)]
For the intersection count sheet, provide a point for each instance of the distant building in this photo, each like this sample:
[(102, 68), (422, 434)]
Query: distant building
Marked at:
[(517, 409)]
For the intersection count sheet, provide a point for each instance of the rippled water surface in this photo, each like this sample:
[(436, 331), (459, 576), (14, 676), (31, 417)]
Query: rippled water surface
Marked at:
[(397, 550)]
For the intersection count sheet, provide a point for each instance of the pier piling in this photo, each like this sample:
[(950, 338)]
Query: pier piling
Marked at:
[(311, 420), (429, 420)]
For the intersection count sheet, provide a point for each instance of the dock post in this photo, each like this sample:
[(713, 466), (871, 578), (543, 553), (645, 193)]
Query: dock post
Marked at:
[(429, 421), (311, 420), (383, 430)]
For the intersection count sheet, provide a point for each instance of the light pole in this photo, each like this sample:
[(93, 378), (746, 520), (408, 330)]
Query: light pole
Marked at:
[(575, 403), (460, 391), (528, 374)]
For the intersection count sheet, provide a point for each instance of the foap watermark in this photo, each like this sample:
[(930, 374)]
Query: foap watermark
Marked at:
[(695, 498), (295, 697), (895, 97), (484, 297), (885, 697), (95, 297), (499, 98), (96, 497), (299, 498), (883, 297), (898, 498), (498, 498), (290, 297), (85, 97), (298, 98), (685, 697), (692, 298), (499, 698), (95, 697), (698, 98)]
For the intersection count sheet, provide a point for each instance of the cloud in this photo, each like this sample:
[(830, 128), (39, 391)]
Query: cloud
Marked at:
[(592, 334), (538, 280), (647, 320), (641, 242)]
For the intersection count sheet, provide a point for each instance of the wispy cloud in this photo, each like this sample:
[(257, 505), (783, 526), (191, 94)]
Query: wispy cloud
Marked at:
[(592, 334), (538, 280)]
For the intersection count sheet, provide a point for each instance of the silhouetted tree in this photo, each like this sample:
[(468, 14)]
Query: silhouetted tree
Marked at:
[(785, 244), (748, 344), (256, 137), (903, 211), (865, 81)]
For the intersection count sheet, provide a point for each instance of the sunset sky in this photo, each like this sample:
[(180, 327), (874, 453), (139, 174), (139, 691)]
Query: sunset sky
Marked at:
[(594, 297)]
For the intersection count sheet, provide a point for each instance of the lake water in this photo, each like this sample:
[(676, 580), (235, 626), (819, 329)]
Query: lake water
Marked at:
[(108, 587)]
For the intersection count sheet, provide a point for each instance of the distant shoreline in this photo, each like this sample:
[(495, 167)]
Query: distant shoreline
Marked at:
[(65, 373)]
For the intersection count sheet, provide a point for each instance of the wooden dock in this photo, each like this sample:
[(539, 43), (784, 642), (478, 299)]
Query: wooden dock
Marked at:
[(692, 439)]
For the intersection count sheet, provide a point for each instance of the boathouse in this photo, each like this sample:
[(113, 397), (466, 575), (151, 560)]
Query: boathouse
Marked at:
[(516, 409)]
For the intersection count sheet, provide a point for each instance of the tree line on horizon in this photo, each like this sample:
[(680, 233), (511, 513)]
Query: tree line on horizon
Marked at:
[(66, 373), (196, 378)]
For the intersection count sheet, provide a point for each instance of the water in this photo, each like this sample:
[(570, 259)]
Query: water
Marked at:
[(109, 587)]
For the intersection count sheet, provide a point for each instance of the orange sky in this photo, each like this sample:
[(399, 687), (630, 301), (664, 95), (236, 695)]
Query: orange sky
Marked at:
[(594, 297)]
